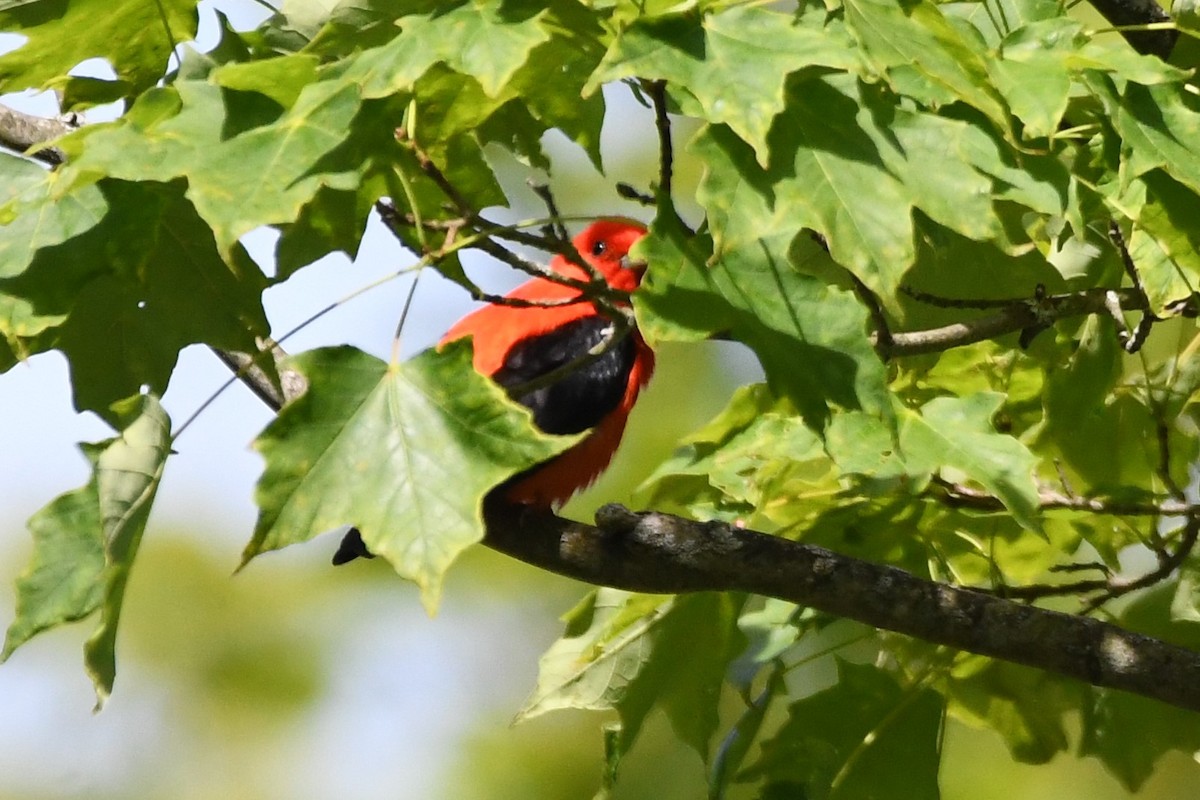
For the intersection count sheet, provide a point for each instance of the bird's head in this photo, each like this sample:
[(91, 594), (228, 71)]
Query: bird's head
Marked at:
[(606, 244)]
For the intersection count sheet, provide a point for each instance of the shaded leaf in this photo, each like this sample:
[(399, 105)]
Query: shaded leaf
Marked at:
[(1130, 734), (847, 741), (632, 652), (62, 582), (1027, 707), (677, 300), (167, 288), (850, 163)]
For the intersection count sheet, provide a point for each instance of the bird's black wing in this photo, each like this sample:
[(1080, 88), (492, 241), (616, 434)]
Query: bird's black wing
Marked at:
[(580, 399)]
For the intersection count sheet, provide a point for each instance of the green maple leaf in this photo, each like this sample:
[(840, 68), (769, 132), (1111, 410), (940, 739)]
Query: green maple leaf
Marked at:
[(405, 453), (134, 37)]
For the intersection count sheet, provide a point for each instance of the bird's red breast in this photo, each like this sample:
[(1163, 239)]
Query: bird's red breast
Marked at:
[(515, 344)]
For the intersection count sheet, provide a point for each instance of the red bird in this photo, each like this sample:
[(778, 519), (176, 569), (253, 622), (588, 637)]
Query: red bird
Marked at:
[(516, 345)]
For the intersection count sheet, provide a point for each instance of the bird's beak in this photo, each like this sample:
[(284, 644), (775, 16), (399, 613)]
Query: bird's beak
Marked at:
[(637, 267)]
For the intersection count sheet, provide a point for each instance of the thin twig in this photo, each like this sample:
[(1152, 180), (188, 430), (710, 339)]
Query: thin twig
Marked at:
[(957, 495), (473, 218), (1163, 435), (555, 229), (1132, 342), (628, 192), (978, 304), (394, 220), (657, 90), (1168, 562), (883, 333), (435, 174), (1014, 315)]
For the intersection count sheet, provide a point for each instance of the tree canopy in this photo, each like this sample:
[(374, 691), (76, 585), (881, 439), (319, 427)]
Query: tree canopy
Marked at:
[(961, 238)]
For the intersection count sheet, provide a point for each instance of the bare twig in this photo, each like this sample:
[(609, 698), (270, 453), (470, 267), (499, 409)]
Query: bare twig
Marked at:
[(1110, 586), (1163, 436), (1168, 562), (630, 193), (435, 174), (246, 369), (978, 304), (1132, 342), (391, 217), (555, 228), (883, 333), (1013, 315), (657, 91), (594, 287), (1048, 500)]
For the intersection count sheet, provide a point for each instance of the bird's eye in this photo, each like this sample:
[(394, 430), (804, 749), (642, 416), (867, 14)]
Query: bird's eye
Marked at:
[(599, 247)]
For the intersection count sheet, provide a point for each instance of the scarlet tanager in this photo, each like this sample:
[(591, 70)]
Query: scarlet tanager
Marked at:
[(516, 345)]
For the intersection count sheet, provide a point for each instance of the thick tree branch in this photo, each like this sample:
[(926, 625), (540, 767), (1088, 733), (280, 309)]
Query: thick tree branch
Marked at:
[(22, 132), (660, 553)]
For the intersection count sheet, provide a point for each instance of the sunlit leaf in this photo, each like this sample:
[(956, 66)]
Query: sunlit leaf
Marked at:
[(404, 452), (179, 133), (135, 39), (489, 41), (1160, 126), (957, 433), (35, 212)]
